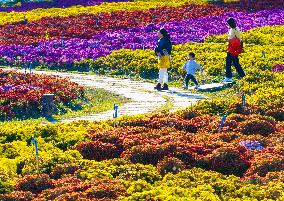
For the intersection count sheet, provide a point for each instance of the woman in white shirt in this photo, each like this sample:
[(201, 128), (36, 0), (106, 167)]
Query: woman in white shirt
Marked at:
[(234, 49)]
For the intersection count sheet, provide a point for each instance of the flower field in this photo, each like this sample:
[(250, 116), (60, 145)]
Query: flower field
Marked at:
[(184, 155)]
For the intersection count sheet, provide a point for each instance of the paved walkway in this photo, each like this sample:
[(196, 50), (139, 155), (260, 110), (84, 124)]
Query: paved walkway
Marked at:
[(144, 99)]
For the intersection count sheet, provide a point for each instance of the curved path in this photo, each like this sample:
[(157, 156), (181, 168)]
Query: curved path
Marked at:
[(144, 99)]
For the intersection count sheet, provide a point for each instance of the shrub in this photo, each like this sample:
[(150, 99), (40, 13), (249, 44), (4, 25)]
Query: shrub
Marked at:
[(278, 113), (135, 172), (146, 154), (5, 186), (104, 189), (212, 107), (138, 186), (98, 150), (256, 126), (228, 161), (72, 196), (64, 186), (229, 136), (262, 117), (188, 113), (17, 196), (177, 123), (237, 117), (34, 183), (237, 108), (275, 176), (170, 164), (253, 138), (204, 123), (254, 179), (266, 162), (60, 170)]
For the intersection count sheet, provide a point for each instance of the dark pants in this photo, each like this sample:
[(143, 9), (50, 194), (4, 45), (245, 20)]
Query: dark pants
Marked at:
[(235, 60), (190, 77)]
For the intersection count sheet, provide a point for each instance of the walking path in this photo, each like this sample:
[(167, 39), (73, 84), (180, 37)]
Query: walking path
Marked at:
[(144, 99)]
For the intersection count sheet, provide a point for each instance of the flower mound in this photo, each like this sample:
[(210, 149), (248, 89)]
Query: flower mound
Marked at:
[(21, 94), (170, 164), (34, 183), (228, 161), (98, 150), (257, 126)]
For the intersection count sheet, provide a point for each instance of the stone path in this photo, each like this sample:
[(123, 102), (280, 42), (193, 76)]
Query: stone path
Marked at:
[(144, 99)]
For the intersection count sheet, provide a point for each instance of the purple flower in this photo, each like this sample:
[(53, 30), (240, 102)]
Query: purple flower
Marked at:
[(252, 145), (278, 68)]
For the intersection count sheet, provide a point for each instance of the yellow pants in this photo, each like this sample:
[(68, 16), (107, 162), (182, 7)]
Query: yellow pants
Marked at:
[(164, 61)]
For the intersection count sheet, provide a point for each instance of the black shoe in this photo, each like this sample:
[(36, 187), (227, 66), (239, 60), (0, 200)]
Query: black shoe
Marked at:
[(158, 87), (165, 87)]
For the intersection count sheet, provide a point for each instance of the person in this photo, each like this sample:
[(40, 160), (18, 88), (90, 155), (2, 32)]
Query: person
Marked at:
[(24, 21), (190, 67), (234, 49), (163, 51)]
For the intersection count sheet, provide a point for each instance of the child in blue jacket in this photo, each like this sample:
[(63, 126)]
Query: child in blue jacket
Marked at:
[(190, 67)]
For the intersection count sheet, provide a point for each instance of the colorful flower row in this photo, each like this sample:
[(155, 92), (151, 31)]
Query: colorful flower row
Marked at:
[(103, 43), (30, 5), (38, 14), (136, 182), (87, 25), (251, 5), (21, 94), (210, 55)]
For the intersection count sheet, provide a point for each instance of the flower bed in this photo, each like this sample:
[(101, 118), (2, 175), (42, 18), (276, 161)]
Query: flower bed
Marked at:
[(86, 26), (20, 94), (105, 42)]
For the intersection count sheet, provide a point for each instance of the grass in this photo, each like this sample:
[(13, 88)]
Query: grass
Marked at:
[(97, 100)]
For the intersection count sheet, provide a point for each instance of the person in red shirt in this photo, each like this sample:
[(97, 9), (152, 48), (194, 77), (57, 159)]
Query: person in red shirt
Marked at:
[(234, 49)]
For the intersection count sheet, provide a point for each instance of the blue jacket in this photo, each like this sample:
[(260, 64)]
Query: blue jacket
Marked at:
[(163, 44), (191, 66)]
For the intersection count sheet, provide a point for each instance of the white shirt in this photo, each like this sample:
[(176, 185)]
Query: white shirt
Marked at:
[(234, 32)]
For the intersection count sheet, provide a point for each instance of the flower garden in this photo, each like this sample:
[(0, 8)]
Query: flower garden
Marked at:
[(184, 155)]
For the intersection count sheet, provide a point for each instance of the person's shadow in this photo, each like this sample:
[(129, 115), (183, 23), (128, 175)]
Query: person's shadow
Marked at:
[(51, 119), (184, 94)]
